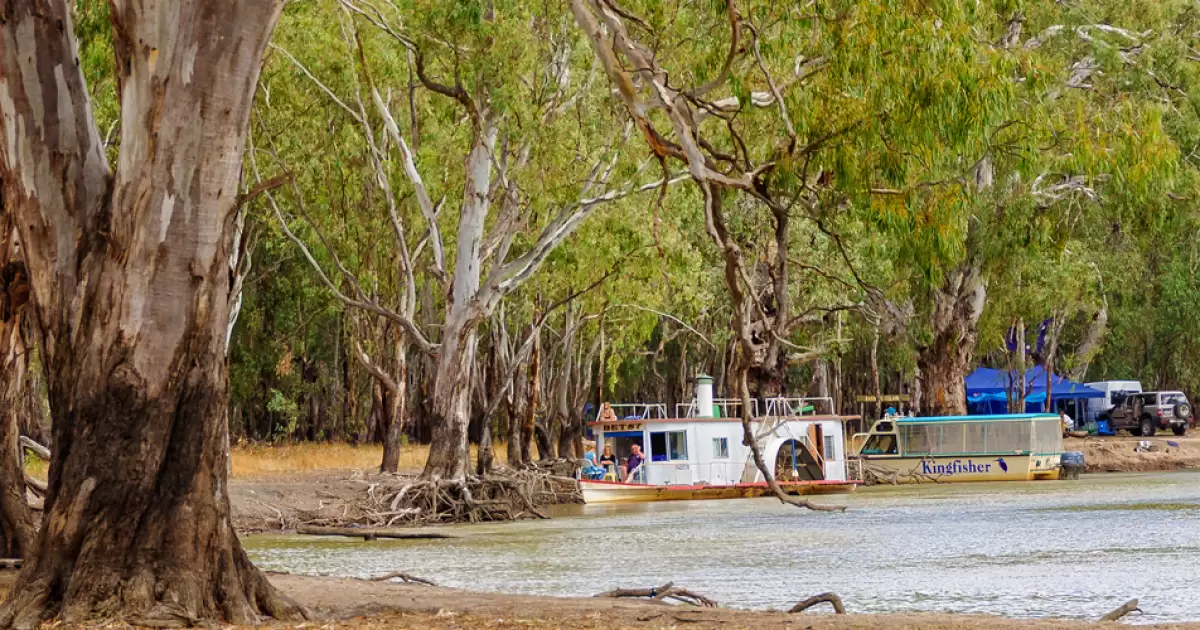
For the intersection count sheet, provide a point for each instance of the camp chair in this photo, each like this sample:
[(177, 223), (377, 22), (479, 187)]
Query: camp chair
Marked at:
[(611, 473)]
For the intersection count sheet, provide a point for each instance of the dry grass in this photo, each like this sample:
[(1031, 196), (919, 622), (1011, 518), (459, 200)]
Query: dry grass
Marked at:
[(36, 466), (265, 460)]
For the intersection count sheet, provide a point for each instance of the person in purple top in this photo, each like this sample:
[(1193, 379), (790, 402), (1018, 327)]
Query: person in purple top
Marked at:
[(632, 462)]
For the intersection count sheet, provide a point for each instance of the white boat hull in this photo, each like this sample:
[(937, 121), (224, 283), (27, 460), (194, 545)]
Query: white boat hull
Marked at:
[(615, 492)]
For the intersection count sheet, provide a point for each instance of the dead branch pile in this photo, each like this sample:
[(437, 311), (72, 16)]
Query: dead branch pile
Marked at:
[(665, 592), (874, 474), (508, 495)]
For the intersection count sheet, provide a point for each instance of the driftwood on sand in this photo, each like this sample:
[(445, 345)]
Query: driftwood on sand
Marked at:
[(1126, 608), (830, 598), (665, 592), (400, 575), (371, 533)]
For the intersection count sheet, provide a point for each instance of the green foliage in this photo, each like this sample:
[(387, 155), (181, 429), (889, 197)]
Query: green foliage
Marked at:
[(1087, 120)]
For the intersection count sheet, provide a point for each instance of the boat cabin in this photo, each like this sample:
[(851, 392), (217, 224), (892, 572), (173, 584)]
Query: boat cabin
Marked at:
[(1003, 447), (702, 445)]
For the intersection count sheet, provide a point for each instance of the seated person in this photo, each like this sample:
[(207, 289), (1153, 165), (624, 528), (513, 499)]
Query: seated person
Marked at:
[(591, 470), (608, 458), (632, 463), (606, 413)]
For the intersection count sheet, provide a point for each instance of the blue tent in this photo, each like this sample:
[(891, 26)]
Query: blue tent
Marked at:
[(987, 389)]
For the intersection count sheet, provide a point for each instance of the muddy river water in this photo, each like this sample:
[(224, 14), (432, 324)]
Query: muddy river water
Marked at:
[(1053, 548)]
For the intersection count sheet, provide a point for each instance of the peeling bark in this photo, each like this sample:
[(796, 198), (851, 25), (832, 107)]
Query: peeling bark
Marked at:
[(130, 270), (16, 522), (1092, 341), (943, 364)]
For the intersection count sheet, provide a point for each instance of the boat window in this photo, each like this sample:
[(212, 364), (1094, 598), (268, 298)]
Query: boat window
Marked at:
[(953, 438), (1047, 436), (960, 438), (720, 448), (668, 446), (831, 447), (976, 437), (1005, 437), (880, 445), (920, 439)]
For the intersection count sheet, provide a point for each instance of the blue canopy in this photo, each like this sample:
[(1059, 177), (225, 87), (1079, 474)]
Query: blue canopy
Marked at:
[(986, 387)]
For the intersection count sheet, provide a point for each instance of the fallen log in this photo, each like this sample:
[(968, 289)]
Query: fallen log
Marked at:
[(830, 598), (403, 576), (36, 484), (370, 533), (1126, 608), (37, 449), (661, 593)]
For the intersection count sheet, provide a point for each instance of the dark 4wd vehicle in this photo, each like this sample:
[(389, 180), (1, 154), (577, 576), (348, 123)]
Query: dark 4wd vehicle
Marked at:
[(1143, 414)]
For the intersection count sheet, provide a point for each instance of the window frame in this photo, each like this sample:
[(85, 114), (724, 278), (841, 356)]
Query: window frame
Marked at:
[(831, 447), (669, 450)]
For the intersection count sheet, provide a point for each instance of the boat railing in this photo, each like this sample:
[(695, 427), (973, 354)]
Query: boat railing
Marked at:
[(856, 442), (728, 407), (854, 470), (781, 406), (634, 411), (724, 472)]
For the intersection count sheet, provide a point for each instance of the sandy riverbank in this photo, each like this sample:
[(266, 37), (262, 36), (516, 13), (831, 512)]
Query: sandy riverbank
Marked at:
[(1117, 454), (349, 604), (356, 604)]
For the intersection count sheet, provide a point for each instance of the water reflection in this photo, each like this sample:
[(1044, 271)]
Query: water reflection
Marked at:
[(1074, 549)]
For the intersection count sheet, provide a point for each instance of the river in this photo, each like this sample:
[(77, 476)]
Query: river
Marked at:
[(1037, 549)]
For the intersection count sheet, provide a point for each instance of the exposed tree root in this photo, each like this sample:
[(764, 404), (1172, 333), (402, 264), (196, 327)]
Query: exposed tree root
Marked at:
[(507, 495), (665, 592), (399, 575), (1128, 607), (830, 598)]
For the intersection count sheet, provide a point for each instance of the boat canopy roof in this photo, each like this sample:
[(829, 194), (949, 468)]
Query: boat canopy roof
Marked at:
[(1007, 417)]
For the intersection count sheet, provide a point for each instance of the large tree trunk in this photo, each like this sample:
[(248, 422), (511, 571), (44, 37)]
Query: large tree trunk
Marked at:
[(397, 401), (943, 364), (16, 521), (876, 388), (449, 452), (129, 273), (515, 406), (531, 405), (1092, 341)]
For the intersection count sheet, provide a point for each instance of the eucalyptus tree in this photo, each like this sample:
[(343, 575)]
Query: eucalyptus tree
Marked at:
[(507, 90), (805, 112), (1092, 143), (128, 270)]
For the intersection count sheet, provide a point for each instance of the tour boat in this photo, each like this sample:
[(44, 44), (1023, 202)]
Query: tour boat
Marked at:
[(700, 454), (1008, 447)]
